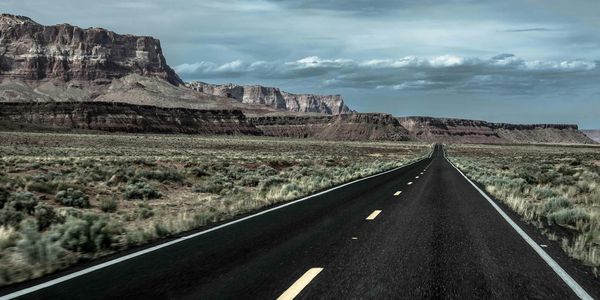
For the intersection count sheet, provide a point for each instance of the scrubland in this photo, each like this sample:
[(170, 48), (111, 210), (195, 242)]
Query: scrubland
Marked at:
[(68, 198), (556, 188)]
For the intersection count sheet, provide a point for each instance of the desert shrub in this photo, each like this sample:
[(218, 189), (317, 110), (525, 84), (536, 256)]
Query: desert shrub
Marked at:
[(543, 192), (161, 230), (568, 216), (88, 234), (16, 208), (197, 172), (250, 181), (217, 184), (271, 182), (209, 187), (72, 197), (140, 190), (11, 217), (266, 171), (46, 216), (8, 237), (41, 250), (42, 187), (22, 201), (144, 212), (287, 191), (556, 203), (108, 204), (162, 175), (4, 194)]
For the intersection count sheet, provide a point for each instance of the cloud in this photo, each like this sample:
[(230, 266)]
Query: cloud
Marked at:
[(536, 29), (505, 72)]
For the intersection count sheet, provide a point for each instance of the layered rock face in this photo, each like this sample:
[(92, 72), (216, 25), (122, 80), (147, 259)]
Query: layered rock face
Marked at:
[(593, 134), (122, 117), (353, 127), (30, 51), (273, 97), (447, 130)]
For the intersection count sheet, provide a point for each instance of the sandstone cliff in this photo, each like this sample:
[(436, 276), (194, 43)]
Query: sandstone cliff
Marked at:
[(354, 127), (274, 97), (30, 51), (449, 130), (122, 117)]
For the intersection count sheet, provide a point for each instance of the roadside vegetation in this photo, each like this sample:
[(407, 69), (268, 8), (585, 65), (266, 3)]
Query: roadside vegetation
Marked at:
[(67, 198), (556, 188)]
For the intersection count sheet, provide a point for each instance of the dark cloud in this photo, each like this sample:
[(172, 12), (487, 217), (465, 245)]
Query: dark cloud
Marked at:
[(505, 72)]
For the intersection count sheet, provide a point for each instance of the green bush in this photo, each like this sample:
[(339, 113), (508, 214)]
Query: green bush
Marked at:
[(41, 250), (11, 217), (109, 205), (271, 182), (568, 216), (140, 190), (144, 212), (162, 175), (22, 201), (42, 187), (46, 216), (88, 234), (556, 203), (542, 192), (74, 198), (250, 181), (4, 194), (211, 187), (17, 206)]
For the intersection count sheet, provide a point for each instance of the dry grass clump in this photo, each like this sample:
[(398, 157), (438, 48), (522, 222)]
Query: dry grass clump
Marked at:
[(557, 188), (65, 198)]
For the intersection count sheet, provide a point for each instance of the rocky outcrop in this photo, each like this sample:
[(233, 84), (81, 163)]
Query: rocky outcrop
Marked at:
[(449, 130), (30, 51), (273, 97), (122, 117), (354, 127), (593, 134)]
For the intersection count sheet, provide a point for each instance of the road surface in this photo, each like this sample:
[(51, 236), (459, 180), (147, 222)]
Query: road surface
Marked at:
[(422, 231)]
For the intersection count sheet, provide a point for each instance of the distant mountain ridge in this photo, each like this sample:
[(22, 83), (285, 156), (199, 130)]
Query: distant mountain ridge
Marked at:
[(451, 130), (274, 97), (66, 77)]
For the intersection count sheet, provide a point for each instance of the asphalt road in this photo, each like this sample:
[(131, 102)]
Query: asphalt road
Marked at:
[(438, 238)]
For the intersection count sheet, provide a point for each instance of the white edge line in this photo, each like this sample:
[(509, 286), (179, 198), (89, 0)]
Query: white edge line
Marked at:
[(64, 278), (579, 291)]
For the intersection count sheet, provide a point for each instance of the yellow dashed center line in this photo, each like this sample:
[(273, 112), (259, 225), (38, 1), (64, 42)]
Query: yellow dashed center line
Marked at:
[(373, 215), (300, 284), (410, 183), (397, 193)]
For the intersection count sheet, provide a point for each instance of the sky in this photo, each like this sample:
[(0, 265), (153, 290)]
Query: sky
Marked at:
[(525, 61)]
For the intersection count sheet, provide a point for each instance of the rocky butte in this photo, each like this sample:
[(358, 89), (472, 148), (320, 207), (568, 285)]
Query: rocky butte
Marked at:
[(274, 97), (30, 51)]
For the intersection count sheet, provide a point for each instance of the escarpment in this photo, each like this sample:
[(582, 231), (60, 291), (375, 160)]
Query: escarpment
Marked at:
[(123, 117), (30, 51), (274, 97), (356, 126), (450, 130)]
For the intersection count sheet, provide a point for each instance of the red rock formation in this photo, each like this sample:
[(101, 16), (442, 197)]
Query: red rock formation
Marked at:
[(30, 51), (273, 97), (122, 117)]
